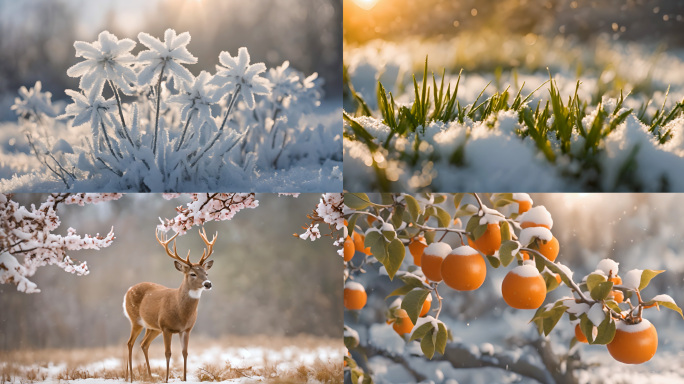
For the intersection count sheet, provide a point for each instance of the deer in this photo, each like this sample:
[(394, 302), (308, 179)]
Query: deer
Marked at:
[(166, 311)]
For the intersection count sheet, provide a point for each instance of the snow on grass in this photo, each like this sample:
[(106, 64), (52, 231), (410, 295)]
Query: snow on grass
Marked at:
[(248, 363), (501, 150)]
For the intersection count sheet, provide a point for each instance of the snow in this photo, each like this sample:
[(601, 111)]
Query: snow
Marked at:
[(527, 235), (239, 130), (608, 267), (634, 328), (438, 249), (464, 250), (632, 279), (522, 197), (354, 286), (596, 314), (664, 298), (526, 270), (538, 215), (282, 360)]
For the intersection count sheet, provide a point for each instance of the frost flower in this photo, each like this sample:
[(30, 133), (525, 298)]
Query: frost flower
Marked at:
[(197, 100), (88, 109), (165, 57), (33, 102), (236, 71), (108, 58)]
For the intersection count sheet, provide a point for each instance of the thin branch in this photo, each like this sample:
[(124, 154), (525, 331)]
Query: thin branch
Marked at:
[(220, 130), (187, 123), (156, 120)]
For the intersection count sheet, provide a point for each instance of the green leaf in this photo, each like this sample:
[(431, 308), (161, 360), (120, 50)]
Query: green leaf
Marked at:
[(551, 282), (421, 331), (427, 345), (595, 279), (413, 303), (443, 217), (505, 231), (473, 222), (665, 303), (550, 321), (412, 280), (430, 237), (646, 277), (479, 231), (493, 261), (601, 290), (442, 336), (357, 201), (466, 210), (389, 235), (397, 218), (506, 252), (401, 291), (606, 331), (378, 245), (457, 199), (439, 199), (351, 223), (397, 251)]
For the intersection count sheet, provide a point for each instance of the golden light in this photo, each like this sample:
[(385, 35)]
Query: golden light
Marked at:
[(366, 4)]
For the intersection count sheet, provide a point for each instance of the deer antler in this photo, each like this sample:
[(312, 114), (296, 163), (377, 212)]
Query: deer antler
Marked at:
[(210, 246), (165, 243)]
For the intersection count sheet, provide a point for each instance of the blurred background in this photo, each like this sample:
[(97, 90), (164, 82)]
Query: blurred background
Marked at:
[(265, 281), (655, 20), (37, 36)]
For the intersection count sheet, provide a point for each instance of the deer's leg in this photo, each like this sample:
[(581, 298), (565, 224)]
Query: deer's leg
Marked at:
[(167, 347), (185, 338), (135, 331), (150, 334)]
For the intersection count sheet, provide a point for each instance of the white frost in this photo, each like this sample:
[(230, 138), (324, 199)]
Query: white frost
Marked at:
[(608, 267), (522, 197), (438, 249), (632, 279), (464, 250), (354, 286), (538, 215), (528, 235), (526, 270), (596, 314), (633, 328)]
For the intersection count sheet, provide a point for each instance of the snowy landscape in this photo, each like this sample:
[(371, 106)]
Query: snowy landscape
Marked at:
[(492, 342), (229, 360), (534, 109), (148, 115), (269, 316)]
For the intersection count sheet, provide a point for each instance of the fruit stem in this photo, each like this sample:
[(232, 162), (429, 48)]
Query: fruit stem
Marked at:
[(439, 299), (479, 201)]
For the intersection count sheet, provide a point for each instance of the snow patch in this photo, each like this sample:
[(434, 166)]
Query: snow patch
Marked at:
[(438, 249), (633, 328), (464, 250), (632, 279), (527, 270), (354, 286), (538, 215), (528, 234)]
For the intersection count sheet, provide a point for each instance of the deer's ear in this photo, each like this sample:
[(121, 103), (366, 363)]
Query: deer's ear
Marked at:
[(180, 267), (208, 264)]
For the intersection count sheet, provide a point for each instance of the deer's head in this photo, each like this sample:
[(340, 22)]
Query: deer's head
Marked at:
[(195, 277)]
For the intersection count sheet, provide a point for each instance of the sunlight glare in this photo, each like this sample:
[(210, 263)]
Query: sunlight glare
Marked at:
[(366, 4)]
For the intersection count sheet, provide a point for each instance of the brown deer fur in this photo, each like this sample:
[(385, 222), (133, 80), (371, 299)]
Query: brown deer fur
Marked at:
[(166, 311)]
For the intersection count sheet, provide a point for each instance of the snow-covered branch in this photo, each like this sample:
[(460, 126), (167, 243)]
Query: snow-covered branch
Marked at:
[(27, 241), (207, 207)]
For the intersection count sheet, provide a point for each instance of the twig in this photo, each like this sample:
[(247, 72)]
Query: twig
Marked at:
[(187, 123), (156, 121), (220, 131)]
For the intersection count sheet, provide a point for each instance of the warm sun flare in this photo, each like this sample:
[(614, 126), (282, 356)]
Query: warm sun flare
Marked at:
[(366, 4)]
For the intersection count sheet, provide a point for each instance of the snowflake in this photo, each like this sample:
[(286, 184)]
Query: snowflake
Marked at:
[(237, 71), (33, 102), (166, 56), (107, 59)]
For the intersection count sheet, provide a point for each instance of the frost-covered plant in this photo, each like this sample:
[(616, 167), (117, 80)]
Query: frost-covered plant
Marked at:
[(26, 232), (164, 129), (207, 207), (604, 308)]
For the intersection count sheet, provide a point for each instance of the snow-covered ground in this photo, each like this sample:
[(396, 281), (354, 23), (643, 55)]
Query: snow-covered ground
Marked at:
[(250, 364), (495, 155), (20, 171)]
